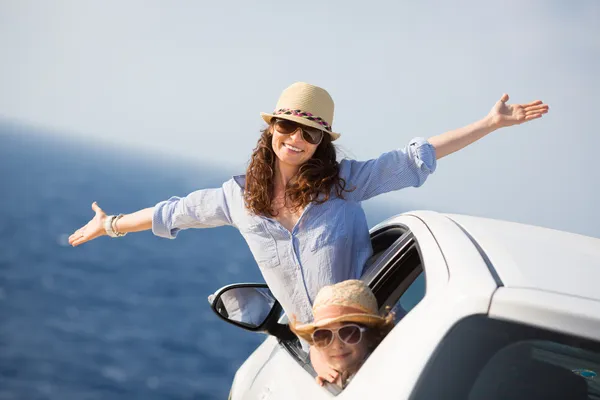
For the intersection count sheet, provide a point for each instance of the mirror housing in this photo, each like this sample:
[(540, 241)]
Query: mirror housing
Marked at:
[(250, 306)]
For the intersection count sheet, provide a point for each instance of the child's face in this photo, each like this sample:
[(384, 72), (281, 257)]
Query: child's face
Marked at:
[(342, 356)]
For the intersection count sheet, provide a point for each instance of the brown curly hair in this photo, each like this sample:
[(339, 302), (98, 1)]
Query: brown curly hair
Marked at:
[(317, 176)]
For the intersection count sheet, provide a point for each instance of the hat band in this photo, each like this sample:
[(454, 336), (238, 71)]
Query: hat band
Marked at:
[(333, 311), (303, 114)]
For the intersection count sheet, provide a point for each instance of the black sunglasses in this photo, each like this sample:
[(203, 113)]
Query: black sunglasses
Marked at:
[(310, 135)]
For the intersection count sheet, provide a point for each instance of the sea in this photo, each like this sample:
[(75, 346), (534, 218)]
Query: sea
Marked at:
[(123, 318)]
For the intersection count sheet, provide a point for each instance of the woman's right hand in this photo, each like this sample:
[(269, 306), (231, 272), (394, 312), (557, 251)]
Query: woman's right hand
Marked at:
[(91, 230)]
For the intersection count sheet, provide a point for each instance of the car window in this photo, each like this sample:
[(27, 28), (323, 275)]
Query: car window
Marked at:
[(401, 285), (410, 298), (482, 358), (414, 294), (383, 241)]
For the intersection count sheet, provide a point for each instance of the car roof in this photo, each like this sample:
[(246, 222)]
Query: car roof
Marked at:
[(526, 256)]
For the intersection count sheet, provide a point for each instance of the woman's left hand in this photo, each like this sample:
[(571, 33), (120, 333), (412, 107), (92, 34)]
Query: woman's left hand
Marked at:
[(503, 114)]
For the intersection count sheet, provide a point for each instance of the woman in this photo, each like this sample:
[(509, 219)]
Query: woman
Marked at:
[(297, 207), (346, 329)]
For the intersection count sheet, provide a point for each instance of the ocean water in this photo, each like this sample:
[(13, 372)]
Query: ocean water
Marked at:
[(112, 319)]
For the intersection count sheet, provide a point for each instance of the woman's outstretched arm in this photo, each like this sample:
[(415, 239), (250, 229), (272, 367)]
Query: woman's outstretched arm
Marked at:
[(138, 221), (500, 116), (205, 208)]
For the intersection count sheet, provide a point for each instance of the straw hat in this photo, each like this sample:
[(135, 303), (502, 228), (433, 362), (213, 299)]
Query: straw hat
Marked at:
[(305, 104), (347, 301)]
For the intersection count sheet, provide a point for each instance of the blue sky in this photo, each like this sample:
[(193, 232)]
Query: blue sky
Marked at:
[(189, 78)]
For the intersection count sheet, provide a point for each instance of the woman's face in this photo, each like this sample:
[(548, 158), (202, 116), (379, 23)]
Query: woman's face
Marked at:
[(342, 356), (292, 149)]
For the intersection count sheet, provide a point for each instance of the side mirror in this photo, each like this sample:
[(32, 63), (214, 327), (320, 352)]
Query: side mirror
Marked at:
[(250, 306)]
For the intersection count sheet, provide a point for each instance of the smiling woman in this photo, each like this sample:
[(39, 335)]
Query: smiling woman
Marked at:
[(297, 206)]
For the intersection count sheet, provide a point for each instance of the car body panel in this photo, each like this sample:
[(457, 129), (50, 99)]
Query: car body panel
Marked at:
[(245, 375), (576, 316), (538, 258), (282, 377)]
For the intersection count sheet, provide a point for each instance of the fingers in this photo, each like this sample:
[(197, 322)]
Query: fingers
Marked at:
[(530, 117), (539, 112), (79, 240), (534, 112), (79, 237), (539, 103), (76, 241), (96, 208), (536, 108), (332, 376), (533, 103), (76, 235), (327, 377)]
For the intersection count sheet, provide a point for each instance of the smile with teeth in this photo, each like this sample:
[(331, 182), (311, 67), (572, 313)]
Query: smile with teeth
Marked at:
[(295, 149)]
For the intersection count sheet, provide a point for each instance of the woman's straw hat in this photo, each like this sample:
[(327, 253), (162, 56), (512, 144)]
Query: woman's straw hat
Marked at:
[(347, 301), (305, 104)]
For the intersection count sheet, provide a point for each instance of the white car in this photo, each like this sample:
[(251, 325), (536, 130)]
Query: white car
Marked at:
[(487, 310)]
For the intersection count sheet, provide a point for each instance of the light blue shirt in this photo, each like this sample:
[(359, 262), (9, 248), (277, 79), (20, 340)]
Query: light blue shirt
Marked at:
[(329, 243)]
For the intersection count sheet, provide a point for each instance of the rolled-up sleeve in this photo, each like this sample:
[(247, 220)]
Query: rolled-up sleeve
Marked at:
[(391, 171), (206, 208)]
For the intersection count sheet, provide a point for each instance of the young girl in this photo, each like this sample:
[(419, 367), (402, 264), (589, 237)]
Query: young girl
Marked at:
[(346, 329)]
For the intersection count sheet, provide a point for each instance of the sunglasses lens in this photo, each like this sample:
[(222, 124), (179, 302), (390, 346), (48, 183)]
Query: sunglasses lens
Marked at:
[(286, 127), (312, 136), (350, 334), (322, 337)]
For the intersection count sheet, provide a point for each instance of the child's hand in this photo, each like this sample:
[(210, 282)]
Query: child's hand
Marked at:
[(325, 372), (327, 375), (334, 377)]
